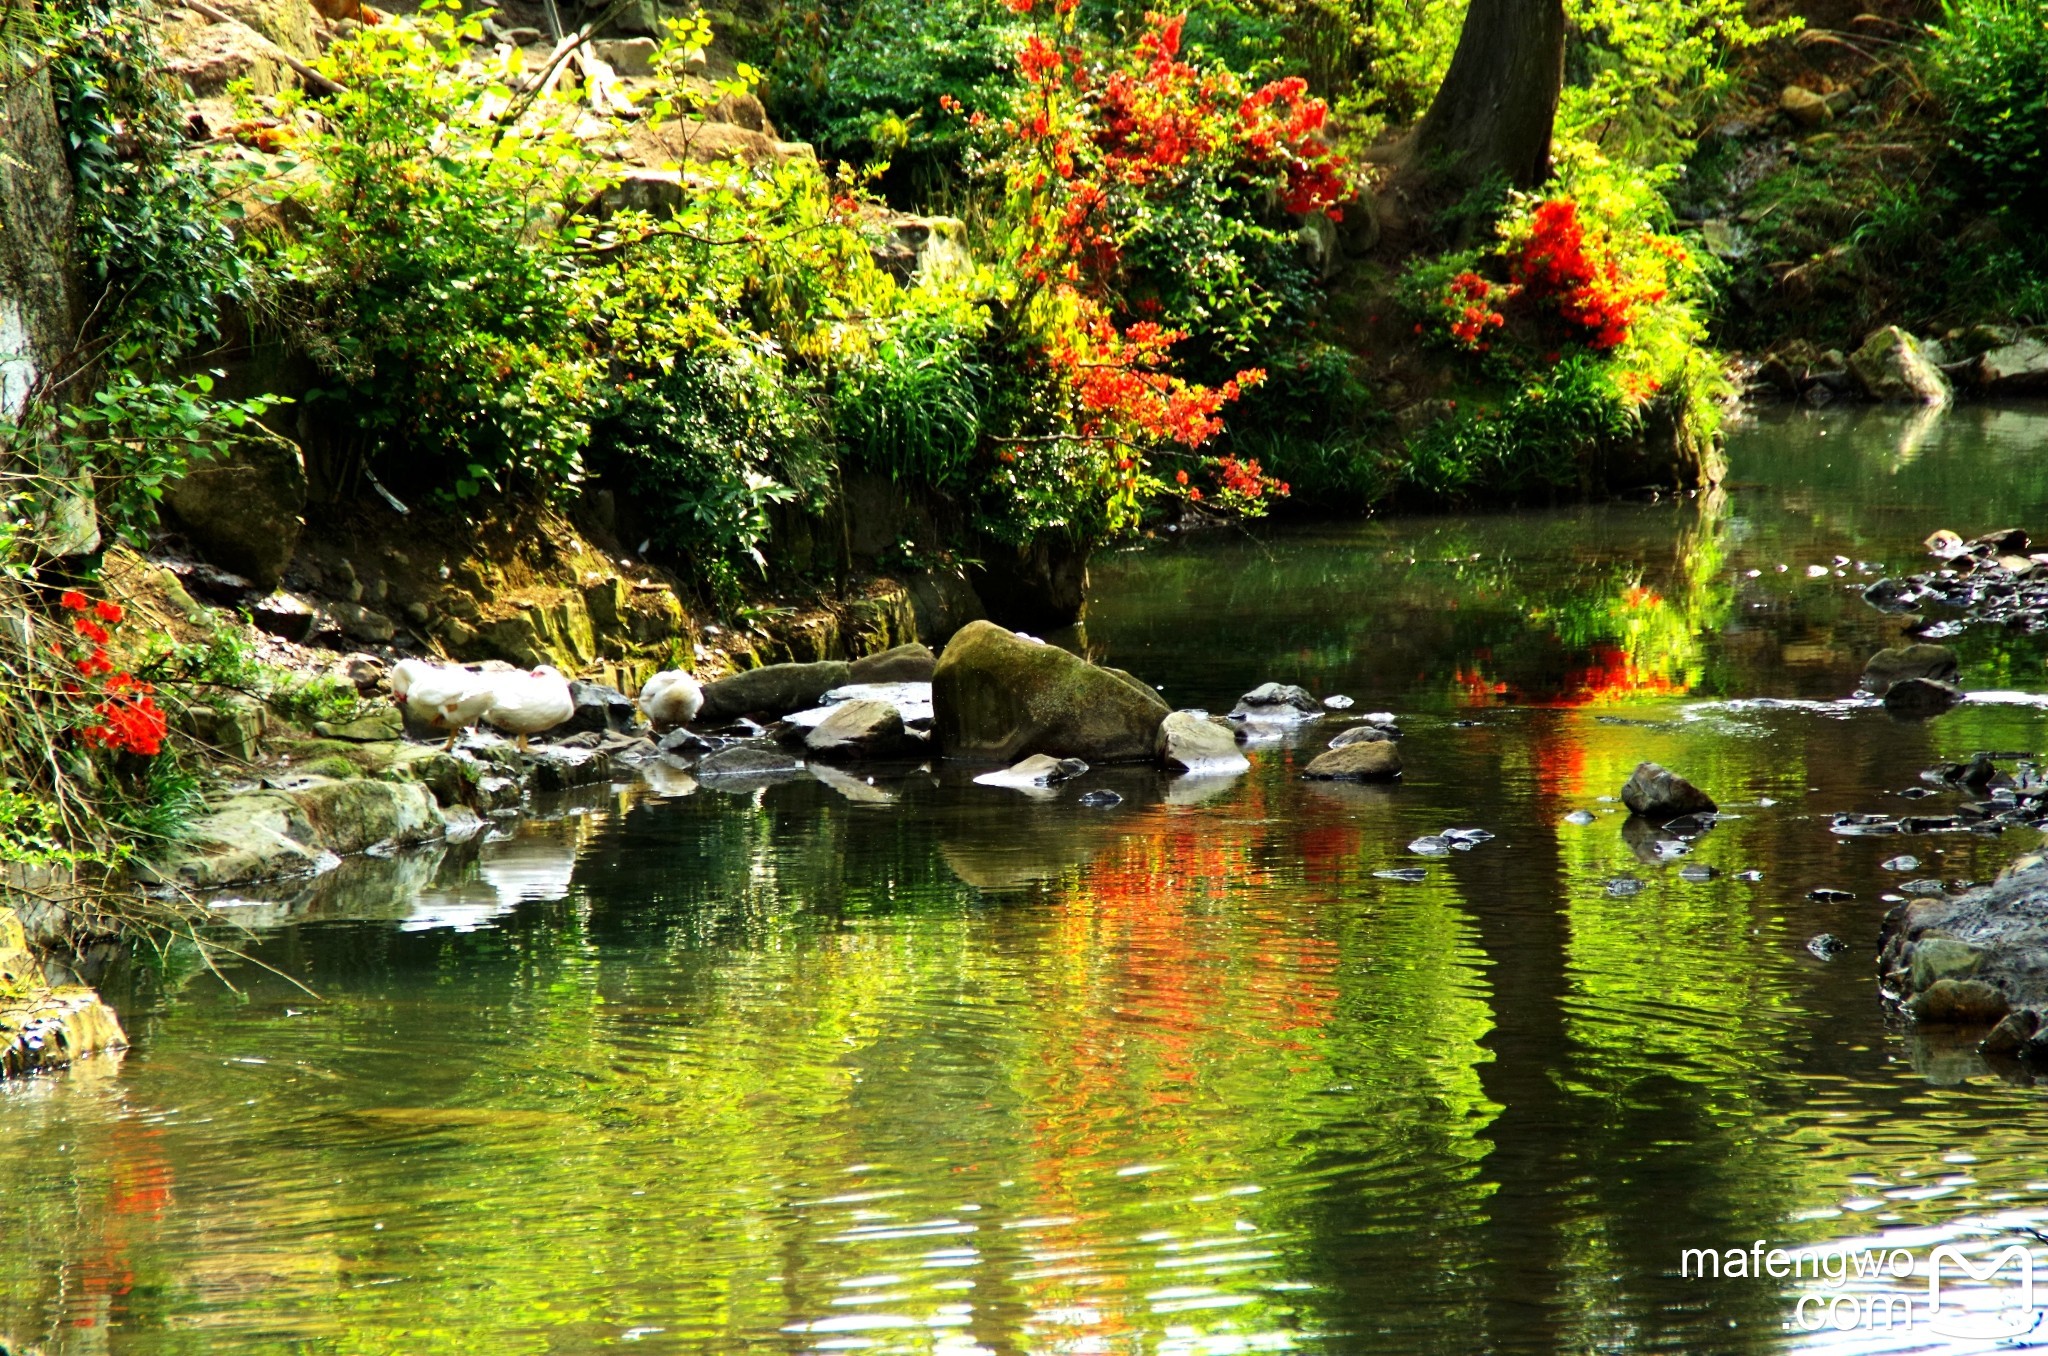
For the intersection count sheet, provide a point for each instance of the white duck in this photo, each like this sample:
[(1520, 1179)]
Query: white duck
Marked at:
[(671, 698), (440, 696), (529, 703)]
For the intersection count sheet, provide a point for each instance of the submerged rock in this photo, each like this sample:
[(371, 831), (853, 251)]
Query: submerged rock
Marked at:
[(1376, 761), (1038, 771), (1192, 743), (1971, 959), (775, 690), (1365, 734), (745, 763), (997, 695), (1920, 698), (1657, 793), (1900, 662)]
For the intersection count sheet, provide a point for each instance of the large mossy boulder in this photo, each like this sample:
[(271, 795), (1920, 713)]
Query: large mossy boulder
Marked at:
[(1892, 367), (245, 511), (997, 696), (260, 835)]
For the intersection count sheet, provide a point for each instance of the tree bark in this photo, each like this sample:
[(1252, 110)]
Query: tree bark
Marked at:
[(1498, 102)]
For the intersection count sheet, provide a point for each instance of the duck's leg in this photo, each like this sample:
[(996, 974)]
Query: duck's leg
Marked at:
[(522, 743), (453, 735)]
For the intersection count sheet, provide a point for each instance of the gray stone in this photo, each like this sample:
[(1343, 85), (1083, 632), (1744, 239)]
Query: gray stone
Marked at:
[(746, 762), (912, 663), (263, 834), (285, 617), (245, 511), (860, 730), (1039, 770), (1362, 734), (1892, 367), (1193, 743), (372, 726), (2015, 369), (627, 56), (601, 708), (775, 690), (1657, 793), (1372, 761), (997, 696), (1804, 107), (1938, 958), (560, 769), (1900, 662), (1919, 698), (1282, 699), (360, 623)]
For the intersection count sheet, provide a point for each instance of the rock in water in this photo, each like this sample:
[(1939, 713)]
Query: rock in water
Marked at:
[(996, 696), (1100, 800), (1827, 946), (1657, 793), (1891, 366), (912, 663), (860, 729), (1364, 734), (43, 1027), (1037, 771), (1193, 743), (1900, 662), (1920, 698), (1376, 761), (775, 690), (746, 763), (1278, 702), (2019, 368)]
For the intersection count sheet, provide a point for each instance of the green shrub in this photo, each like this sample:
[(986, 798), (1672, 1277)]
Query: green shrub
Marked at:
[(1541, 439), (912, 408), (1990, 66)]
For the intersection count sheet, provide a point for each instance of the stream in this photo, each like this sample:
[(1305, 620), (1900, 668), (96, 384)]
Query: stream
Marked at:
[(925, 1066)]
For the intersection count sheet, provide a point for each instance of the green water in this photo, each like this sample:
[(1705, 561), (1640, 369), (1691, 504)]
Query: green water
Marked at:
[(932, 1067)]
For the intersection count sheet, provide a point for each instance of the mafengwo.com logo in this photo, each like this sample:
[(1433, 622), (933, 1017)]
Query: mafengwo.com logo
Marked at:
[(1973, 1292)]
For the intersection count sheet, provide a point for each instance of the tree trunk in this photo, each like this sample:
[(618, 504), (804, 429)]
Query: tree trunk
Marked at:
[(1498, 101)]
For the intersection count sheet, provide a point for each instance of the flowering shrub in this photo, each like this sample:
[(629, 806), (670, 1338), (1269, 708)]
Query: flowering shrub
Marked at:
[(115, 712), (1597, 280), (1143, 204)]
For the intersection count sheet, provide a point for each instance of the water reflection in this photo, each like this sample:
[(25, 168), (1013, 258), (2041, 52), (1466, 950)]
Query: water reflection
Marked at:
[(922, 1066)]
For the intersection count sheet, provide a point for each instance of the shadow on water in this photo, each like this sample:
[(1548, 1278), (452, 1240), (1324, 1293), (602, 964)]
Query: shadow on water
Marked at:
[(917, 1065)]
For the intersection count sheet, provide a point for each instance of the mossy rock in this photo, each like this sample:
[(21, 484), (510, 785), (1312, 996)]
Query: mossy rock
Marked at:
[(997, 697)]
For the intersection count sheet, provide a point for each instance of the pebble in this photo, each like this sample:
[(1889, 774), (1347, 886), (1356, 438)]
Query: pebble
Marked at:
[(1922, 886), (1430, 846), (1100, 800), (1623, 886), (1827, 946), (1697, 872), (1579, 817), (1828, 895), (1407, 873), (1473, 837), (1338, 702), (1902, 863), (1917, 792), (1752, 875)]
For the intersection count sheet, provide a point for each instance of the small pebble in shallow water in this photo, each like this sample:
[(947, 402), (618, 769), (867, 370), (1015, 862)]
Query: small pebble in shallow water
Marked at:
[(1579, 817), (1917, 792), (1828, 895), (1816, 572), (1471, 836), (1697, 872), (1100, 800), (1465, 724), (1827, 946), (1922, 886), (1339, 702), (1623, 886), (1892, 897), (1765, 801), (1430, 846), (1407, 873), (1902, 863), (1752, 875)]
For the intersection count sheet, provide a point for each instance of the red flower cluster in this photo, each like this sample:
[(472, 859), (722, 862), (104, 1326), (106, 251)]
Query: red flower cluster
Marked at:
[(1245, 479), (1581, 276), (1116, 377), (126, 718), (1469, 301)]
